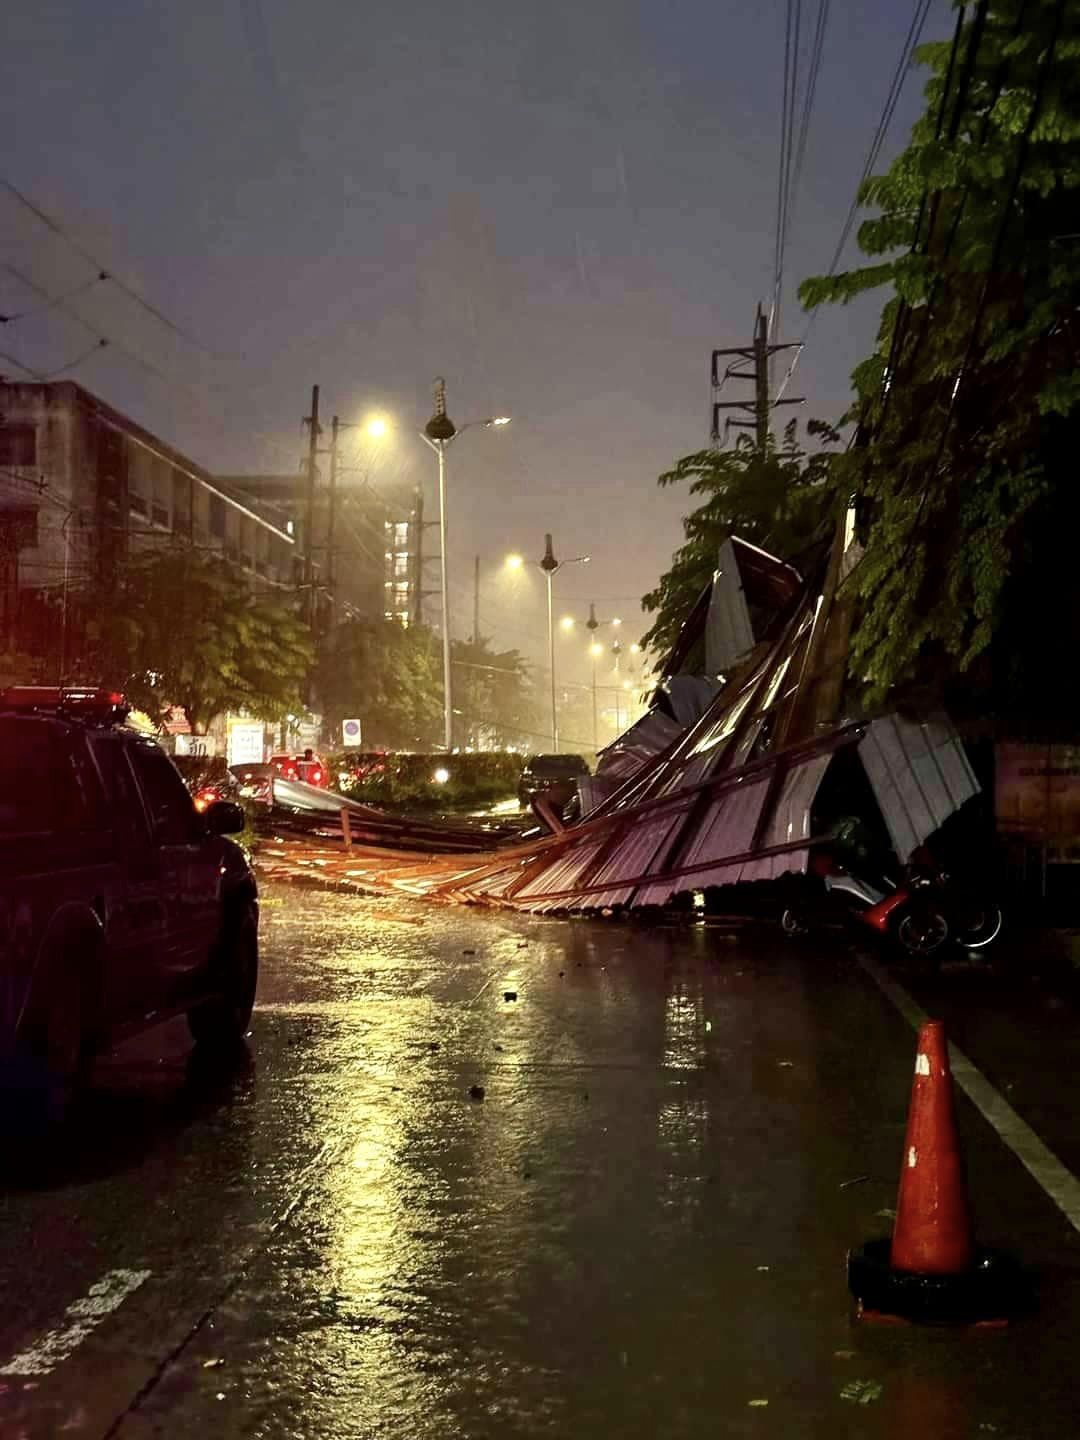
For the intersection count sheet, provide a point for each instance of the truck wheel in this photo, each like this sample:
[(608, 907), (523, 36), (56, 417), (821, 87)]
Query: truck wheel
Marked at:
[(221, 1022)]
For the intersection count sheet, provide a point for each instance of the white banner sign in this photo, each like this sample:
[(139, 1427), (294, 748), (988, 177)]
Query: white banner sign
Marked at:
[(245, 742), (199, 745)]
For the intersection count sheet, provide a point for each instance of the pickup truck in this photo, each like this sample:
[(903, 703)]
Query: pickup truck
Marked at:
[(120, 904)]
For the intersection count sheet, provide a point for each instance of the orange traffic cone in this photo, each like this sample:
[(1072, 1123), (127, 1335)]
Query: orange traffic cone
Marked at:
[(930, 1270), (933, 1227)]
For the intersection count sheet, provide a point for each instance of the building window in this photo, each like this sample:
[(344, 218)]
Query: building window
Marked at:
[(401, 567), (18, 445), (401, 533)]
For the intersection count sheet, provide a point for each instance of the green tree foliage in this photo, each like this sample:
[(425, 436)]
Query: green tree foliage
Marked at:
[(388, 677), (968, 405), (182, 629), (776, 499), (494, 692)]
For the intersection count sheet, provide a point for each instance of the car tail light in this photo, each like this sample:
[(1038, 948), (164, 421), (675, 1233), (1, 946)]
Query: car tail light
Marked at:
[(316, 777), (205, 798)]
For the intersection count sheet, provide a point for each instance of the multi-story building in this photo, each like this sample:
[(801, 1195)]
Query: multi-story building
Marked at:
[(82, 486), (370, 567)]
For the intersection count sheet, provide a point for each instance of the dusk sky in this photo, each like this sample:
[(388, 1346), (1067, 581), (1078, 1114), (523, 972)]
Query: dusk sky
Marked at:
[(560, 207)]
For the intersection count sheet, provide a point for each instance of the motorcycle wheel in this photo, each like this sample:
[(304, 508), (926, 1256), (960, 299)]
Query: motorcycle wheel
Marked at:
[(922, 932), (793, 925), (980, 926)]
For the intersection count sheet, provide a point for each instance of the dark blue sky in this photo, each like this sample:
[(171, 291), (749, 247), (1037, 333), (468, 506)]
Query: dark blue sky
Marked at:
[(560, 207)]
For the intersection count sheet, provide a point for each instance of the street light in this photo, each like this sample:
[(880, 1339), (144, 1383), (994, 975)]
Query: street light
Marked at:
[(437, 434), (551, 567), (514, 562), (376, 427)]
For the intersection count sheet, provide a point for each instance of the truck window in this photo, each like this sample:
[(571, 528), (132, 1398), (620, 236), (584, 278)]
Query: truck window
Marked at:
[(29, 784), (172, 811)]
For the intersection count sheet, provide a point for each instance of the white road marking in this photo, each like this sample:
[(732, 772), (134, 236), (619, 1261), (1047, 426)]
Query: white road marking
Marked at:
[(1037, 1158), (80, 1319)]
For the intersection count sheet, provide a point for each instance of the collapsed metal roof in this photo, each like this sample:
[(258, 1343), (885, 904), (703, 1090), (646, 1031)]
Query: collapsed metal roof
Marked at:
[(716, 791)]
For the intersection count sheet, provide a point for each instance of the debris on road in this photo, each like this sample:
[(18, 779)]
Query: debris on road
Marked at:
[(213, 1364), (476, 1092), (757, 1404), (509, 995), (862, 1392), (858, 1180), (468, 952)]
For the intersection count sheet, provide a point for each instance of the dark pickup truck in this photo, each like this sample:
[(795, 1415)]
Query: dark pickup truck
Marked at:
[(120, 905)]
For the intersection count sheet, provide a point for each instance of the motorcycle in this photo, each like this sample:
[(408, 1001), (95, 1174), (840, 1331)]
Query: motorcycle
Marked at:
[(920, 913), (974, 921), (908, 915)]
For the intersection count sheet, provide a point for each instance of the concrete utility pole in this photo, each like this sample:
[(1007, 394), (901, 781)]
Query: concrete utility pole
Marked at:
[(331, 511), (476, 602), (757, 356), (312, 422)]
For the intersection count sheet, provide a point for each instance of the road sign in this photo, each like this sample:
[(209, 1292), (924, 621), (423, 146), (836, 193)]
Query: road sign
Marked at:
[(351, 732)]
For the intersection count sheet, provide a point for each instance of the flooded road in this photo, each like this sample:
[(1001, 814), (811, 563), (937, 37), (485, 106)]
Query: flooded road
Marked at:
[(492, 1176)]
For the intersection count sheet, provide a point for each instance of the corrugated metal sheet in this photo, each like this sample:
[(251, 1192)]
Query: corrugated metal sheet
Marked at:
[(729, 825), (639, 846), (791, 818), (920, 776), (565, 872), (728, 631)]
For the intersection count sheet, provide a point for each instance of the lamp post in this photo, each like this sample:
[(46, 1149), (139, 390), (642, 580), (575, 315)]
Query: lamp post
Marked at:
[(551, 568), (595, 651), (437, 434)]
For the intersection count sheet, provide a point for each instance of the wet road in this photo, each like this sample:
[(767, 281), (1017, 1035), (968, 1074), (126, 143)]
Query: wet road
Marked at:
[(639, 1231)]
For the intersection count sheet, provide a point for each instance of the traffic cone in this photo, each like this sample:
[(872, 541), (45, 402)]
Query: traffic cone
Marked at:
[(932, 1235), (930, 1270)]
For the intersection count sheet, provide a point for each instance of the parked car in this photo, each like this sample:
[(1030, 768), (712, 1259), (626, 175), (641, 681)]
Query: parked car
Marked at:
[(255, 783), (208, 778), (285, 765), (311, 769), (554, 776), (120, 904)]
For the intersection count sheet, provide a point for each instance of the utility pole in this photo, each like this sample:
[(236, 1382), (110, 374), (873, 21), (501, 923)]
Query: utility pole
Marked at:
[(476, 602), (331, 513), (757, 357), (312, 422)]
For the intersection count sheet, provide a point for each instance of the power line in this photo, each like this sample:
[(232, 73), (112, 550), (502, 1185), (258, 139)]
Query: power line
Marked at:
[(792, 31), (103, 340), (103, 274), (53, 303), (816, 52), (911, 40)]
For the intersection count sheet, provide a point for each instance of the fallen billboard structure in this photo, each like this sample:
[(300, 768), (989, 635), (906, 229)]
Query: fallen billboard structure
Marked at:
[(725, 799)]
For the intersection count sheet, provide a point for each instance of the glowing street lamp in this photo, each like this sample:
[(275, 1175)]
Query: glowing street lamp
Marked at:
[(437, 434)]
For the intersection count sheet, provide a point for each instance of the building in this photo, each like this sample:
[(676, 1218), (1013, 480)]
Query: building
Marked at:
[(82, 486), (370, 567)]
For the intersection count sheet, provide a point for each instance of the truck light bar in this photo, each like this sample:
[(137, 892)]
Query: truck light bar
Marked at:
[(88, 702)]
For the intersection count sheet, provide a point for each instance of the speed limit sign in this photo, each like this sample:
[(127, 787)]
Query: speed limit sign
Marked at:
[(350, 732)]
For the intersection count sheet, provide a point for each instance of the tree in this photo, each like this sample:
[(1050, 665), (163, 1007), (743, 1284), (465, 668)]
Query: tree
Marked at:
[(495, 695), (776, 499), (968, 406), (389, 677), (185, 630)]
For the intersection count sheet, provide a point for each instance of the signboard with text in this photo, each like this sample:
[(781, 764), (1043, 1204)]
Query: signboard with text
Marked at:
[(1038, 792), (245, 743)]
